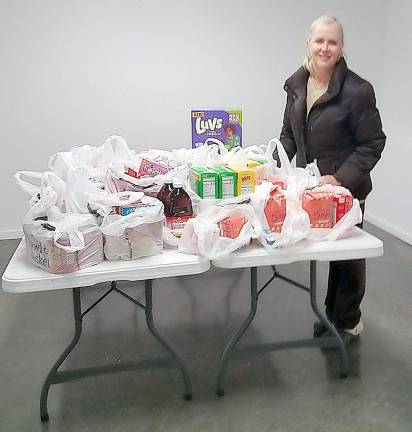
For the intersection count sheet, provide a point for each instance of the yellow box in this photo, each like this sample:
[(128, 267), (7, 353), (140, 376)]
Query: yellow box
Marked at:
[(245, 180), (252, 163)]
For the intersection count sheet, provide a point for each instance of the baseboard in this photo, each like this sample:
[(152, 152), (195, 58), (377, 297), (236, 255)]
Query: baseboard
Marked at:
[(389, 227), (11, 234)]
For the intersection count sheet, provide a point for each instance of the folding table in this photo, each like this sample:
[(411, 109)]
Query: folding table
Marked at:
[(22, 276), (360, 245)]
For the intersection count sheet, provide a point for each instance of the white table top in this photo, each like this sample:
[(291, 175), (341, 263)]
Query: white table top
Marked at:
[(23, 276), (360, 245)]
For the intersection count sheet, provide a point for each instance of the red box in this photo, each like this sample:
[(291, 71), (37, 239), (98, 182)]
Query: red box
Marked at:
[(275, 210), (319, 206), (342, 203), (231, 226)]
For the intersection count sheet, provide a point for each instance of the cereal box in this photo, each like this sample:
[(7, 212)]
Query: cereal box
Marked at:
[(225, 126)]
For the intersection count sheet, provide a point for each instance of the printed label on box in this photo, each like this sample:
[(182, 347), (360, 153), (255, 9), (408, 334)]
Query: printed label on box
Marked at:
[(225, 126)]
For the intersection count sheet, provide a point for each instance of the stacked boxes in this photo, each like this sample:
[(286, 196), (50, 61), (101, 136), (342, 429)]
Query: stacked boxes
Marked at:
[(227, 182)]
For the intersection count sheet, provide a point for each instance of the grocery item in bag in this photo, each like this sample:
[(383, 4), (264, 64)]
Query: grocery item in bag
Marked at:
[(178, 209), (342, 203), (143, 240), (275, 210), (319, 206), (165, 190), (151, 169), (245, 180), (227, 185), (204, 182), (231, 226), (46, 254)]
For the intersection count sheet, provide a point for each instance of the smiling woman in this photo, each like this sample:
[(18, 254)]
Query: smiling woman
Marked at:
[(331, 116)]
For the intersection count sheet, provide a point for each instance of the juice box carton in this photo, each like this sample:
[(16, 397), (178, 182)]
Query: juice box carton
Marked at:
[(223, 125), (342, 204), (245, 179), (204, 182), (227, 182)]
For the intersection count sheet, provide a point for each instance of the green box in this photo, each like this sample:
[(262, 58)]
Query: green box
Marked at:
[(227, 179), (204, 182)]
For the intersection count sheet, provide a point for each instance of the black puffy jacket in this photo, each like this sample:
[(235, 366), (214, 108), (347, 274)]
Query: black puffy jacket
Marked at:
[(343, 130)]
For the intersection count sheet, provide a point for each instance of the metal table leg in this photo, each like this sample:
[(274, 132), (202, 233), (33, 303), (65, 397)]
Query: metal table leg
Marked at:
[(56, 377), (52, 375), (333, 341), (235, 338), (156, 334)]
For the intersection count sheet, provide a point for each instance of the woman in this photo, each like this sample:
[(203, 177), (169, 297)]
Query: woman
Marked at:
[(331, 116)]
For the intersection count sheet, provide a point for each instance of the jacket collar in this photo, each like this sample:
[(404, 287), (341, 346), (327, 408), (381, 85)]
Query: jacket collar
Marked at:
[(298, 81)]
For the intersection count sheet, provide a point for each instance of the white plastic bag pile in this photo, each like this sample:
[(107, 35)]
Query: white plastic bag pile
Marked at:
[(97, 202)]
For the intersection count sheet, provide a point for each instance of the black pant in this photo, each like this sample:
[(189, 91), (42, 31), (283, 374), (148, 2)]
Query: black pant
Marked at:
[(346, 288)]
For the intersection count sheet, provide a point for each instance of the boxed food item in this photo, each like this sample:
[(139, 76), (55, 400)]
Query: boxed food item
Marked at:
[(151, 168), (204, 182), (275, 210), (245, 180), (231, 226), (227, 186), (319, 206), (342, 203), (44, 253)]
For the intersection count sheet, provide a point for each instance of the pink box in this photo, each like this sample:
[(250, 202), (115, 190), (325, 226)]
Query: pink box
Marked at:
[(151, 169)]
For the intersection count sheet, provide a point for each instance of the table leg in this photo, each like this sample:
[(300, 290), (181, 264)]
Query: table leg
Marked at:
[(235, 338), (163, 342), (323, 318), (44, 415)]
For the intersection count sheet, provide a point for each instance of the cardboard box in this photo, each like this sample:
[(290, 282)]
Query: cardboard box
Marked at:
[(231, 226), (225, 126), (227, 182), (245, 180), (342, 203), (204, 182), (319, 206), (275, 210)]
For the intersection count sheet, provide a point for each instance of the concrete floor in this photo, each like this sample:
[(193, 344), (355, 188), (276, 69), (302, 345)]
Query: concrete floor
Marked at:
[(294, 390)]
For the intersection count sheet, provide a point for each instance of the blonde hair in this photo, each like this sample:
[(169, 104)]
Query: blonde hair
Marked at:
[(322, 20)]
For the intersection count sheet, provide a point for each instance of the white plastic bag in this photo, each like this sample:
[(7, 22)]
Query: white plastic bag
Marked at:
[(343, 228), (296, 224), (203, 234), (134, 235)]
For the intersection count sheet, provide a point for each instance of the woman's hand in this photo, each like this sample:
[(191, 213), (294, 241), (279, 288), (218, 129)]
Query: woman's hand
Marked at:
[(329, 179)]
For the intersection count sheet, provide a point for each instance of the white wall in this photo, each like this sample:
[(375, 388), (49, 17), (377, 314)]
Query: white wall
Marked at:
[(390, 207), (75, 72)]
